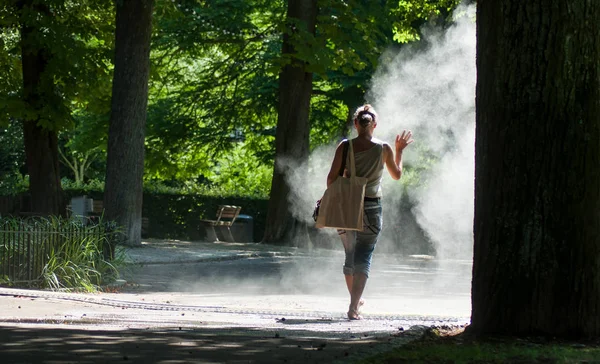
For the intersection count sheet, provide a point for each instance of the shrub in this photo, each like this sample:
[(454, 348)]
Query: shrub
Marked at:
[(56, 253)]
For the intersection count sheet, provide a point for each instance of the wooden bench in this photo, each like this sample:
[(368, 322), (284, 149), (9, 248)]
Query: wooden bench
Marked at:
[(97, 207), (225, 217)]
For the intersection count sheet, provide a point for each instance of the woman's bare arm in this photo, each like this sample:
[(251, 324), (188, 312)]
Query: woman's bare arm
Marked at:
[(395, 169), (392, 161)]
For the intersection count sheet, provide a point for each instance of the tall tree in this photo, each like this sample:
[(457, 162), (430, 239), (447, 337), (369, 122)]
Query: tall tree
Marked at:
[(41, 143), (51, 54), (125, 160), (537, 169), (291, 140)]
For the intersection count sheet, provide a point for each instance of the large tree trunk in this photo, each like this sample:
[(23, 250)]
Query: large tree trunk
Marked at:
[(125, 160), (536, 266), (292, 138), (41, 144)]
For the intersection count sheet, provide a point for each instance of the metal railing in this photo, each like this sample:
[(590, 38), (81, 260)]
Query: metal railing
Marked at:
[(26, 245)]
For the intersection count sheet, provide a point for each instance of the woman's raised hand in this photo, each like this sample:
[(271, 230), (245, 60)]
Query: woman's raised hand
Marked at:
[(403, 140)]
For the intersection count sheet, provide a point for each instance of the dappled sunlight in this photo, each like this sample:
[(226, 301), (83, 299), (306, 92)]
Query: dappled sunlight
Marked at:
[(172, 345)]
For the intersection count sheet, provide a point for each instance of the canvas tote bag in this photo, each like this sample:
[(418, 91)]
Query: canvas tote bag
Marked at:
[(342, 204)]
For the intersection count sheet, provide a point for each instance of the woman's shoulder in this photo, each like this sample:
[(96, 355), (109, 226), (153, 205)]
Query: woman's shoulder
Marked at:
[(386, 149), (382, 143)]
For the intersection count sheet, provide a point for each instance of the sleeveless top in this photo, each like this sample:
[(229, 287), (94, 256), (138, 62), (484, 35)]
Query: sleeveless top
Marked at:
[(369, 164)]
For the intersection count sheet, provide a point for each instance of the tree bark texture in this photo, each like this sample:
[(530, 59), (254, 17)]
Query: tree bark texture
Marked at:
[(536, 266), (41, 143), (125, 160), (293, 128)]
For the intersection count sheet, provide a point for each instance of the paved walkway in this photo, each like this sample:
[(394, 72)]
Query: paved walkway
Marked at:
[(216, 327), (174, 251)]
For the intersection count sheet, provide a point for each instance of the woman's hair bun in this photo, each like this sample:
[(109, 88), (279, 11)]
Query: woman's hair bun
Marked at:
[(365, 115)]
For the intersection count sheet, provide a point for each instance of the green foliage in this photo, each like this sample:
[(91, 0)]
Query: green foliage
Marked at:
[(214, 84), (83, 149), (175, 148), (78, 265), (14, 184), (242, 174), (329, 120), (75, 40), (215, 79), (412, 14), (174, 187), (350, 36), (10, 72), (12, 159), (73, 254), (92, 185)]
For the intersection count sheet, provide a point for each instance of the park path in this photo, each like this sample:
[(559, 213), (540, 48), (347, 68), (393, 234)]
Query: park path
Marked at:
[(251, 307)]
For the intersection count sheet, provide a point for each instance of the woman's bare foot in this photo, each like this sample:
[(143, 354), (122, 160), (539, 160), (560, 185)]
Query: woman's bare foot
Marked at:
[(353, 315)]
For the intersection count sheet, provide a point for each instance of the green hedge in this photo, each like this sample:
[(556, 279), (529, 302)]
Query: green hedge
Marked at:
[(177, 216)]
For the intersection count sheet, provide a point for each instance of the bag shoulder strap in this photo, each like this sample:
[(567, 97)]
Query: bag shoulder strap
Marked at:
[(344, 155), (352, 166)]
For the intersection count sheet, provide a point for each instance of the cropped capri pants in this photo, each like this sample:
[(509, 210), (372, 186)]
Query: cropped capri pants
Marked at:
[(359, 245)]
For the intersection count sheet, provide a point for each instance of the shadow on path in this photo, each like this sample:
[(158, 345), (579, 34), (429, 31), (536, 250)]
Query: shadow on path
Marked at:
[(34, 344)]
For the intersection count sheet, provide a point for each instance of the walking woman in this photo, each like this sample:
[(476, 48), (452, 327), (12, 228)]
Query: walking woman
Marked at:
[(370, 157)]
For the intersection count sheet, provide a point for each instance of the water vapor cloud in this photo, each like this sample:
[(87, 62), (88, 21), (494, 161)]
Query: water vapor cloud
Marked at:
[(429, 88)]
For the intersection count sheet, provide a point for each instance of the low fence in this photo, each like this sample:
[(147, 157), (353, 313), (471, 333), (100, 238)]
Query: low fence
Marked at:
[(26, 245)]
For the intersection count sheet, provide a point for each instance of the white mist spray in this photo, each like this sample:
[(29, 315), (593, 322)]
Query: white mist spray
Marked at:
[(431, 90)]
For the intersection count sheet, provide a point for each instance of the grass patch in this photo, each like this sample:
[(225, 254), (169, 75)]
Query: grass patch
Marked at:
[(450, 345)]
